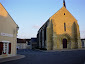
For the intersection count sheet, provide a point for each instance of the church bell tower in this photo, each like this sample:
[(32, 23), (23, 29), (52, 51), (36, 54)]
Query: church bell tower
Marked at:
[(64, 4)]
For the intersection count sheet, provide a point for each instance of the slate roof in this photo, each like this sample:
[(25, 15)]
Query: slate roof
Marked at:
[(22, 40)]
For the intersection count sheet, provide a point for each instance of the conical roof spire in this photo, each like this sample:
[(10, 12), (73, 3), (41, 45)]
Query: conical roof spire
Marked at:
[(64, 4)]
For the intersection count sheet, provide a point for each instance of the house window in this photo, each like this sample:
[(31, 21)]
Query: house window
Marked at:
[(64, 26), (5, 48)]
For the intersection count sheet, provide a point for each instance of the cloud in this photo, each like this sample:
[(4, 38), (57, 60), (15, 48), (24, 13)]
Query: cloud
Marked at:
[(36, 27)]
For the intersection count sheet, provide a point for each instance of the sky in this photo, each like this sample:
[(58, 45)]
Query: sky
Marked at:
[(30, 15)]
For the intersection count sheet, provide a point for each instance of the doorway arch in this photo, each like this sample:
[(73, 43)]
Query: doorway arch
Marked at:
[(64, 43)]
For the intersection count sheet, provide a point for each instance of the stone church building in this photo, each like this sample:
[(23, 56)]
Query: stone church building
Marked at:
[(60, 31)]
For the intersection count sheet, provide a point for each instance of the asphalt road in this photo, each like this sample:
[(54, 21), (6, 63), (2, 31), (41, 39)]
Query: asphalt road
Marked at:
[(50, 57)]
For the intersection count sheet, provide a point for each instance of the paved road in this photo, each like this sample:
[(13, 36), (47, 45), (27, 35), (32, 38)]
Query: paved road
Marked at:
[(50, 57)]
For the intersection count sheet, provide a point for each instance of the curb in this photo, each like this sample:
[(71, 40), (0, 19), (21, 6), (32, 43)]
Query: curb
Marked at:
[(12, 58), (63, 50)]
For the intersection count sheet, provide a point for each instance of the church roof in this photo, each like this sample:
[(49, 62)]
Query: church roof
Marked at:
[(63, 8)]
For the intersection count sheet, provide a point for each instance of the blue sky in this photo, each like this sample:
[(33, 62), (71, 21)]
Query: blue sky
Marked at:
[(31, 14)]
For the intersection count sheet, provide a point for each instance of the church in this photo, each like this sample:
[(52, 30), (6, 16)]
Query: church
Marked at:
[(60, 31)]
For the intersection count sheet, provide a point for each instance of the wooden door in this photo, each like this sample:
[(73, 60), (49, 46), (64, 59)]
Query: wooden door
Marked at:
[(64, 43)]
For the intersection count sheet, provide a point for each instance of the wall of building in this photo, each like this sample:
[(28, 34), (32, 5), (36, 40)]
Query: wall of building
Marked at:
[(42, 36), (72, 33), (83, 43), (22, 45), (49, 35), (8, 31)]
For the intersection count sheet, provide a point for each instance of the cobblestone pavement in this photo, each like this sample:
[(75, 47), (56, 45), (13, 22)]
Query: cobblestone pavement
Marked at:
[(50, 57)]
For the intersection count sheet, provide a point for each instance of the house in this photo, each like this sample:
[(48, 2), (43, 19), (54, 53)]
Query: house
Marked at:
[(23, 43), (33, 43), (60, 31), (83, 43), (8, 34)]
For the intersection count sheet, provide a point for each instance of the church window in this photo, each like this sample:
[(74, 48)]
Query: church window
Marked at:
[(64, 26)]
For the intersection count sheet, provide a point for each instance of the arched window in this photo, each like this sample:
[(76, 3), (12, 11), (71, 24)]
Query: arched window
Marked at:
[(64, 26)]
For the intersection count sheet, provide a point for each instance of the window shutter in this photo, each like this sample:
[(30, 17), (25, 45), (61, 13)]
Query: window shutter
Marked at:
[(1, 48), (9, 48)]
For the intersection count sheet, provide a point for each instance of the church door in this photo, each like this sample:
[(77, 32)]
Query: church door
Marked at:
[(64, 43)]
